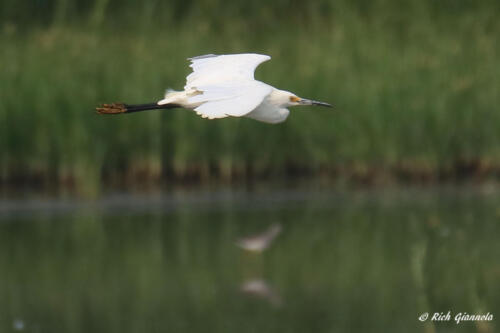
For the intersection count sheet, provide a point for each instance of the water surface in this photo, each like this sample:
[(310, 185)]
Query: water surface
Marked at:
[(359, 261)]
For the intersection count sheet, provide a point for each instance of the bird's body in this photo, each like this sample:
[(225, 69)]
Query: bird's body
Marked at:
[(224, 86), (266, 111)]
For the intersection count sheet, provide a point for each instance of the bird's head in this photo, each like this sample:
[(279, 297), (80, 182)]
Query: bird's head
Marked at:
[(290, 99)]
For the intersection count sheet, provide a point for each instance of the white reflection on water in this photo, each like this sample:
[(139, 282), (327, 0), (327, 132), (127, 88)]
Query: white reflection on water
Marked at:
[(261, 289), (18, 324)]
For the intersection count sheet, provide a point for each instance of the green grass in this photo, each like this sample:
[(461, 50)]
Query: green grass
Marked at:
[(415, 90)]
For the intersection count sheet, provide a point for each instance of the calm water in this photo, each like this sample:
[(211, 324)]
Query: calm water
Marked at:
[(368, 261)]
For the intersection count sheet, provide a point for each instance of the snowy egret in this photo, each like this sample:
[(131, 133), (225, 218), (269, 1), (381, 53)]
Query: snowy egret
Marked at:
[(222, 86)]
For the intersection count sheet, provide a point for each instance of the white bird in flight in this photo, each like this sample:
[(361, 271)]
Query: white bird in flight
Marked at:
[(224, 86)]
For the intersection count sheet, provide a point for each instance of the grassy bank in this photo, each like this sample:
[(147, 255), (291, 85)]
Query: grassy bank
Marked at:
[(415, 89)]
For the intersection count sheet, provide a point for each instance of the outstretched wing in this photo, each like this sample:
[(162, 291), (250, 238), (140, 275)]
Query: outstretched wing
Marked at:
[(233, 98), (213, 69)]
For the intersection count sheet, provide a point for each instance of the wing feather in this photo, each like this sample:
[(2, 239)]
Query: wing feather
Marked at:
[(211, 69), (231, 99)]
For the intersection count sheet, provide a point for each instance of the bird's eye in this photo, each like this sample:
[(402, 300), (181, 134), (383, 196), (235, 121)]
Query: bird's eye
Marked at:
[(294, 99)]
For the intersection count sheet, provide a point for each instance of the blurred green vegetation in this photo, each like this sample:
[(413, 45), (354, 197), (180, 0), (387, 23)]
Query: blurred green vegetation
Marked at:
[(415, 86)]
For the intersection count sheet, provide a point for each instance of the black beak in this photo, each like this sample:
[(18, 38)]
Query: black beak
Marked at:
[(304, 101)]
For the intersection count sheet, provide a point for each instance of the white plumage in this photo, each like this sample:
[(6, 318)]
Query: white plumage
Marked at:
[(234, 98), (224, 85), (210, 69)]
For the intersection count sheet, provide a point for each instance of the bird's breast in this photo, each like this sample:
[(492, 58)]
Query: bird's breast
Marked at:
[(269, 113)]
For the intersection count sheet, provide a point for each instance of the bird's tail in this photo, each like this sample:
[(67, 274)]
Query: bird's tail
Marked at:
[(117, 108)]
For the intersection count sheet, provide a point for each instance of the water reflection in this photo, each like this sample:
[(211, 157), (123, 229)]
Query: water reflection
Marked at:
[(261, 289), (18, 325), (358, 262)]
